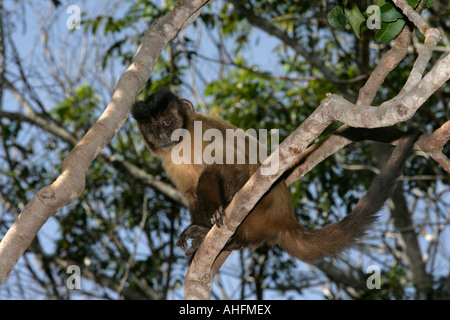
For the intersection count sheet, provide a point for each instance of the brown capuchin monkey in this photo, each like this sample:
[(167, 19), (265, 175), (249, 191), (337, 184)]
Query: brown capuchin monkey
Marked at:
[(210, 186)]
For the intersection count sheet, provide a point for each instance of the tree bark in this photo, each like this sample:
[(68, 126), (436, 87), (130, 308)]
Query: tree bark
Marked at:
[(69, 185), (198, 280)]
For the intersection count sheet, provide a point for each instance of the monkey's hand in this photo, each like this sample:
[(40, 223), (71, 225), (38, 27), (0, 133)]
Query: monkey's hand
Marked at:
[(217, 217), (194, 232)]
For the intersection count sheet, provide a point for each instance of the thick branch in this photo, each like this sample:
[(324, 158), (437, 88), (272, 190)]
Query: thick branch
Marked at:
[(69, 185), (434, 143), (124, 165), (413, 16), (334, 108), (431, 144), (422, 60), (388, 62), (198, 281), (335, 142)]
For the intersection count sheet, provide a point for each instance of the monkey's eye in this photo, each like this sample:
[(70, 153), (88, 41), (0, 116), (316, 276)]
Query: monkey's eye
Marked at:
[(153, 127), (166, 122)]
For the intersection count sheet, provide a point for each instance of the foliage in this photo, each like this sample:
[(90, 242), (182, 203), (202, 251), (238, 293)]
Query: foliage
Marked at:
[(231, 69), (382, 16)]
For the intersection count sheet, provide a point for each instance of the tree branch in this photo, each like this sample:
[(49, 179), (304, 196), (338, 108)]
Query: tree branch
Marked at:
[(388, 62), (339, 139), (69, 185), (434, 143), (124, 165), (403, 223), (265, 25), (198, 280), (335, 142)]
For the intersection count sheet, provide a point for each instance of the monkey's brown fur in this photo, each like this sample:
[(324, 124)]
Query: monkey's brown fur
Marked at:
[(209, 188)]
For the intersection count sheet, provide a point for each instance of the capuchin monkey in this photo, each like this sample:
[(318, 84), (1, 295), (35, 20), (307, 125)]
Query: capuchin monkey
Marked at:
[(210, 187)]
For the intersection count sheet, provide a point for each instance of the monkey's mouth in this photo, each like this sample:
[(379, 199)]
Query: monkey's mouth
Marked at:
[(167, 146)]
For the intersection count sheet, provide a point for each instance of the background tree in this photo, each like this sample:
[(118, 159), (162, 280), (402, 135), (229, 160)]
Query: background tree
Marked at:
[(122, 230)]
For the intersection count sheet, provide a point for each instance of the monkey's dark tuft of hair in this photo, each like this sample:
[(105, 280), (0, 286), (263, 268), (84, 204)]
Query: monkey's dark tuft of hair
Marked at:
[(153, 105)]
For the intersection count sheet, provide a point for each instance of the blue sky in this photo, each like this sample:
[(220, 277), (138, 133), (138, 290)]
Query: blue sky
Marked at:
[(27, 37)]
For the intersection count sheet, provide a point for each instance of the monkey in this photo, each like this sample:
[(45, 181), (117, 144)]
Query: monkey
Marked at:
[(210, 187)]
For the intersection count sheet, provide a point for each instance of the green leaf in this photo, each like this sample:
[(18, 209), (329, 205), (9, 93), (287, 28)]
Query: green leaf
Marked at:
[(379, 3), (413, 3), (389, 30), (354, 17), (430, 3), (390, 13), (336, 17)]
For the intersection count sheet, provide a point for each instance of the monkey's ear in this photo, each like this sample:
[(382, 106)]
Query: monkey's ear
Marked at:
[(187, 106), (139, 111)]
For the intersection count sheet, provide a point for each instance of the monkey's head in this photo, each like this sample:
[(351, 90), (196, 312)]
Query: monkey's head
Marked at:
[(159, 115)]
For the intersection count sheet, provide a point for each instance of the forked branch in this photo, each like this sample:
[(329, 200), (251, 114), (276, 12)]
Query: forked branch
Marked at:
[(69, 185), (334, 108)]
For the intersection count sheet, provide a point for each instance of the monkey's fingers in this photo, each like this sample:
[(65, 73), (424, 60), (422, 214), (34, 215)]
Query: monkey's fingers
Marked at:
[(217, 217), (193, 249), (194, 232), (182, 242)]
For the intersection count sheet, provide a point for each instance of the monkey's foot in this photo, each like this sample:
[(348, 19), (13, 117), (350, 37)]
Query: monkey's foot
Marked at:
[(194, 232), (217, 217)]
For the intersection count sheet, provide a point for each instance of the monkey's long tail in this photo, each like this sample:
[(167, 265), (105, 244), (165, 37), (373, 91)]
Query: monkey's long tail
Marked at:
[(332, 239)]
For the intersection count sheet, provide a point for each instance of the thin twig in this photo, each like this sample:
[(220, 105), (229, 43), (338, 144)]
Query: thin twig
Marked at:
[(136, 242)]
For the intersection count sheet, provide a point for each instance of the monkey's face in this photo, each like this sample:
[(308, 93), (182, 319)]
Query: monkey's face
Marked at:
[(159, 116), (157, 131)]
